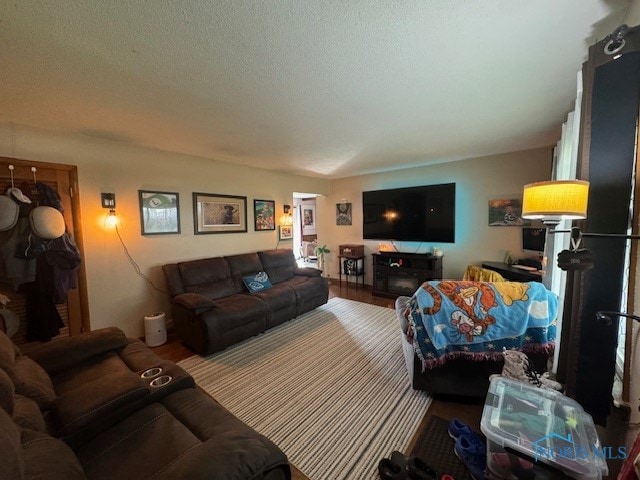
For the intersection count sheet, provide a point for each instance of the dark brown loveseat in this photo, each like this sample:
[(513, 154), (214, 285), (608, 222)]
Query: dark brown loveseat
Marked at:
[(212, 308), (81, 408)]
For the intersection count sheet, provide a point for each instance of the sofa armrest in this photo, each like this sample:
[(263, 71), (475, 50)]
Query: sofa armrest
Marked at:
[(307, 272), (62, 354), (194, 301)]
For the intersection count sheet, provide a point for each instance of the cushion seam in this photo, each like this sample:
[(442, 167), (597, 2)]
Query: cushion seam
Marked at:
[(27, 419), (122, 439), (47, 439), (101, 407), (175, 460)]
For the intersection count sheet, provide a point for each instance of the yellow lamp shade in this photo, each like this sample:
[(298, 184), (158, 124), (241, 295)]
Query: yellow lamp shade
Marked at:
[(556, 200)]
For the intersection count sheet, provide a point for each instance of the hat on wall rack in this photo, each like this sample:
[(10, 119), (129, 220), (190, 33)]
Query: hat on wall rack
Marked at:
[(9, 213), (47, 222)]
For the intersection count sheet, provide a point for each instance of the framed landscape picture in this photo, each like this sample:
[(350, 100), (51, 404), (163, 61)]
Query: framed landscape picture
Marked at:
[(159, 212), (264, 215), (214, 213), (506, 212), (285, 232)]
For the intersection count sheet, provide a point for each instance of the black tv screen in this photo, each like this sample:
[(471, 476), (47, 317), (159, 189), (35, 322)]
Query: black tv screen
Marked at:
[(533, 239), (413, 214)]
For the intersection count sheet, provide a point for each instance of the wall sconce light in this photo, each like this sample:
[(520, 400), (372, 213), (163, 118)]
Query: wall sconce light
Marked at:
[(109, 201), (287, 219)]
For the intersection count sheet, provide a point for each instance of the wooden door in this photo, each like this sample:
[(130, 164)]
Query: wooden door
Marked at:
[(63, 179)]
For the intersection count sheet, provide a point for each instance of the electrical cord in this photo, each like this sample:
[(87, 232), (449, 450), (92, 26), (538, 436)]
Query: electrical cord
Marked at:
[(136, 267)]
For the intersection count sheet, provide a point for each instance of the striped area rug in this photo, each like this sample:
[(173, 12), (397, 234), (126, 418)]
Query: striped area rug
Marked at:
[(330, 388)]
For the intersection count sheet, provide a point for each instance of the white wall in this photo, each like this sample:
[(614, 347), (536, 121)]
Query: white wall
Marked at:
[(477, 181), (117, 296)]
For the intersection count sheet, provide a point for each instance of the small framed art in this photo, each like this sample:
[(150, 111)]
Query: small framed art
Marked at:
[(214, 213), (264, 216), (285, 232), (308, 216), (159, 212), (343, 214)]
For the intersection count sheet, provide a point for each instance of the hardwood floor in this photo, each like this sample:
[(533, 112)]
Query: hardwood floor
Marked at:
[(616, 433)]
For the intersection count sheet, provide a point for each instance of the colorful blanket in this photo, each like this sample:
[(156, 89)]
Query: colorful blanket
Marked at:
[(477, 319)]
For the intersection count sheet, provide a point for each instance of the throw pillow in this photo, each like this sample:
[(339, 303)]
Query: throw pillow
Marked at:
[(257, 283)]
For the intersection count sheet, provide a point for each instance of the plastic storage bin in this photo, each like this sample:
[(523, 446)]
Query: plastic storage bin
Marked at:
[(538, 434)]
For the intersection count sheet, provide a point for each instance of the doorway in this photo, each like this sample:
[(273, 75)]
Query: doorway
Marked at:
[(305, 234), (63, 179)]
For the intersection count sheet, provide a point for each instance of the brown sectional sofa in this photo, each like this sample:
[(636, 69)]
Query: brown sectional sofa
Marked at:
[(213, 309), (80, 408)]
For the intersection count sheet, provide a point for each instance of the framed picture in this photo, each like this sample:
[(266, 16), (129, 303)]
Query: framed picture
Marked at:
[(343, 214), (264, 215), (214, 213), (159, 212), (506, 213), (285, 232), (309, 216)]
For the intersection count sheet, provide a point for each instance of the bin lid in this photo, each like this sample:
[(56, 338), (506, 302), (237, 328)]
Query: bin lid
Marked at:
[(545, 426)]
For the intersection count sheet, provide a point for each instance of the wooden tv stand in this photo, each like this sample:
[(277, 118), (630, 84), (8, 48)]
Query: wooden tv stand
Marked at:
[(397, 273)]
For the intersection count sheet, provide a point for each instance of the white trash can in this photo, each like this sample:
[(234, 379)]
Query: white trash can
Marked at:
[(155, 329)]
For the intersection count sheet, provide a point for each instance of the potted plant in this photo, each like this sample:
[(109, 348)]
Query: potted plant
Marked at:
[(320, 251)]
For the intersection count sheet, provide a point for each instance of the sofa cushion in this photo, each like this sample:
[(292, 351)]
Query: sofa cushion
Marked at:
[(48, 458), (194, 301), (27, 414), (87, 372), (311, 292), (68, 352), (209, 277), (241, 266), (32, 381), (7, 392), (80, 407), (8, 351), (279, 264), (188, 435), (11, 462), (257, 283), (236, 311)]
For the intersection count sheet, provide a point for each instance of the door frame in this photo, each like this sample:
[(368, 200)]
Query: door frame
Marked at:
[(78, 299)]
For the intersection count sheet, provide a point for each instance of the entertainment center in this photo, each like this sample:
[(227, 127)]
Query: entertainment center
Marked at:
[(397, 273)]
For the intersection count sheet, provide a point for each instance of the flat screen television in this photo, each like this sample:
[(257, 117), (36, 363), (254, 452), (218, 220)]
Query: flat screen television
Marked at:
[(533, 239), (412, 214)]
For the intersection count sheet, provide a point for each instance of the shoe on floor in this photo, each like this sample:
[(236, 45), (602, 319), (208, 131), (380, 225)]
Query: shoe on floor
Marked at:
[(419, 470), (390, 471), (399, 459), (474, 458), (458, 429)]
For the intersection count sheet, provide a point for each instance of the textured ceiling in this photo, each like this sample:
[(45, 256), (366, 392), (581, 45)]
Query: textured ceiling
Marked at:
[(322, 88)]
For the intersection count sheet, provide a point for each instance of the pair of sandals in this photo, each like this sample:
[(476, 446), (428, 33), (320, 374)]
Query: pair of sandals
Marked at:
[(401, 467)]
